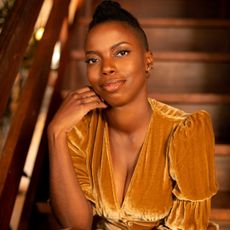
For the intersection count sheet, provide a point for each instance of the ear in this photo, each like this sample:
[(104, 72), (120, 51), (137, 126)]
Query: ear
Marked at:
[(148, 61)]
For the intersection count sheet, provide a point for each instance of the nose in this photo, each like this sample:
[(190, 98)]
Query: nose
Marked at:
[(108, 67)]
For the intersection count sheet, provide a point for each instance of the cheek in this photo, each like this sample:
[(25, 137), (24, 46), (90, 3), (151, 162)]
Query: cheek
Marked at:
[(93, 79), (135, 68), (91, 75)]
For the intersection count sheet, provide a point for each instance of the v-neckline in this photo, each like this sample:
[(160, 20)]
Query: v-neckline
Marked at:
[(111, 166)]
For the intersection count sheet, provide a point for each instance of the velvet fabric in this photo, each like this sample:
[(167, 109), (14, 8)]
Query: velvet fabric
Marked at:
[(174, 177)]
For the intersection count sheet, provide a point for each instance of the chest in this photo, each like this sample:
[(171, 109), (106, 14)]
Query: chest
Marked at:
[(132, 178), (132, 175), (124, 154)]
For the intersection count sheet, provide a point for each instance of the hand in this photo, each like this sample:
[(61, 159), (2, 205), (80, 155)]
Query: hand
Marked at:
[(75, 106)]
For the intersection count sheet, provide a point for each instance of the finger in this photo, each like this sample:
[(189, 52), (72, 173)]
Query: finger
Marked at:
[(64, 93), (83, 97), (94, 105), (84, 89), (86, 100), (87, 94), (69, 93)]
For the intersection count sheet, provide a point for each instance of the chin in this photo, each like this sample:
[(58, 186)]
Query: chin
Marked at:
[(117, 100)]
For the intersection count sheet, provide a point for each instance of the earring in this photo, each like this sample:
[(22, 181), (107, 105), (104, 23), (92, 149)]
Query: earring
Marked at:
[(148, 69)]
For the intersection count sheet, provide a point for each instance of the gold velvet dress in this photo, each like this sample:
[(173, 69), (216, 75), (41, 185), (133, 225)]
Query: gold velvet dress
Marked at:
[(174, 178)]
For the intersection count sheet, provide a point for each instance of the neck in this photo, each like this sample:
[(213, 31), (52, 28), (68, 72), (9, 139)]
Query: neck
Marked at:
[(130, 117)]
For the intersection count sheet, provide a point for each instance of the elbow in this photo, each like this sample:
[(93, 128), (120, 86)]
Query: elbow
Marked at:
[(73, 220), (82, 222), (78, 226)]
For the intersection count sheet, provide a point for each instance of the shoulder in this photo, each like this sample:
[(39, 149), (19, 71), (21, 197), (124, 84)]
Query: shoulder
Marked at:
[(195, 125), (178, 116), (168, 112)]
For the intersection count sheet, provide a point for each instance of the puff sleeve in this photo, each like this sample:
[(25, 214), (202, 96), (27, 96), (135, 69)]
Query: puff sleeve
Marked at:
[(77, 141), (191, 160)]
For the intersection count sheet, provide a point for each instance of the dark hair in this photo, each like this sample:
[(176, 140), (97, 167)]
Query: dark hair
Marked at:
[(109, 10)]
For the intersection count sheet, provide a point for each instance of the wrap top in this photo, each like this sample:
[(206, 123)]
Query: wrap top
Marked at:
[(173, 180)]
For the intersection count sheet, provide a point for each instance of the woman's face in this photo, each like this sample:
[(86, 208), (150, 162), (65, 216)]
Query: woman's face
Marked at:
[(116, 63)]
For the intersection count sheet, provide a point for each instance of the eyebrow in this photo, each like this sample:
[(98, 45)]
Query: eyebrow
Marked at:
[(113, 47)]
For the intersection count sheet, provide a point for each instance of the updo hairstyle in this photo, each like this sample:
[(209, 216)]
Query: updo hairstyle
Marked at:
[(109, 10)]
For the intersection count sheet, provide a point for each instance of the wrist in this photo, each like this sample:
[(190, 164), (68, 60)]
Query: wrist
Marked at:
[(55, 131)]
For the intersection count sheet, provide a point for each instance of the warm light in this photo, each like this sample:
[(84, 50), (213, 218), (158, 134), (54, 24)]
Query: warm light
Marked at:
[(56, 56), (39, 33), (73, 6)]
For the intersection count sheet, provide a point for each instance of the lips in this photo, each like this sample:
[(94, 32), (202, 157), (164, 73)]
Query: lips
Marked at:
[(112, 85)]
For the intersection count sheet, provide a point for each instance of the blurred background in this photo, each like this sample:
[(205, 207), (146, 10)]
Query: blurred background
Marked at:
[(41, 55)]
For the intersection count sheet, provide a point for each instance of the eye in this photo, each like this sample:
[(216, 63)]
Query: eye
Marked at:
[(91, 61), (122, 53)]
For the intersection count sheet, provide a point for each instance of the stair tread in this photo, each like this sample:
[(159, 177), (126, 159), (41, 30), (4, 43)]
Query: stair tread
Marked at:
[(220, 214), (222, 149), (174, 56), (221, 200), (224, 225), (177, 22), (180, 22), (197, 98), (192, 56)]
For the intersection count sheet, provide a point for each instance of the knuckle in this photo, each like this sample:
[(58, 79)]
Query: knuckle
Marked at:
[(75, 96)]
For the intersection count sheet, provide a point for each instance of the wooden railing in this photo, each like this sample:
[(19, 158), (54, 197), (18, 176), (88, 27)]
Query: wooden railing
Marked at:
[(14, 40)]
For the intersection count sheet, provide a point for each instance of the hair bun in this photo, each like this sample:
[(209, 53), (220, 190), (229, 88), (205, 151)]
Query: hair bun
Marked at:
[(109, 4), (107, 9)]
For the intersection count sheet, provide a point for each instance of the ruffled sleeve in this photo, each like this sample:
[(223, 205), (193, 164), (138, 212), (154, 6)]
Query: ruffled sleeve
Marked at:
[(191, 160), (78, 142)]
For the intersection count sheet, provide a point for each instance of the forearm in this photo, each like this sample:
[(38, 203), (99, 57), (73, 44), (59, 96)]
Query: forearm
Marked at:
[(67, 198)]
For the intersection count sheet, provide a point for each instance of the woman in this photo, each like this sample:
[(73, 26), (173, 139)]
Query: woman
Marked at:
[(131, 160)]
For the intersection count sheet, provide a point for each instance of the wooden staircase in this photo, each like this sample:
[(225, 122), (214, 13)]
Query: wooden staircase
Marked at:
[(191, 47), (190, 41)]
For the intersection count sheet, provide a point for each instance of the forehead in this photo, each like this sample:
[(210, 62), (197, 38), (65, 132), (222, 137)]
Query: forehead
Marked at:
[(110, 33)]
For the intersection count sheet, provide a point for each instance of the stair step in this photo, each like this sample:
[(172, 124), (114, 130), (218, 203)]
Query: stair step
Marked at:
[(176, 8), (203, 35), (222, 149), (224, 225), (191, 57), (174, 56), (192, 98), (221, 201), (177, 22), (220, 214)]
